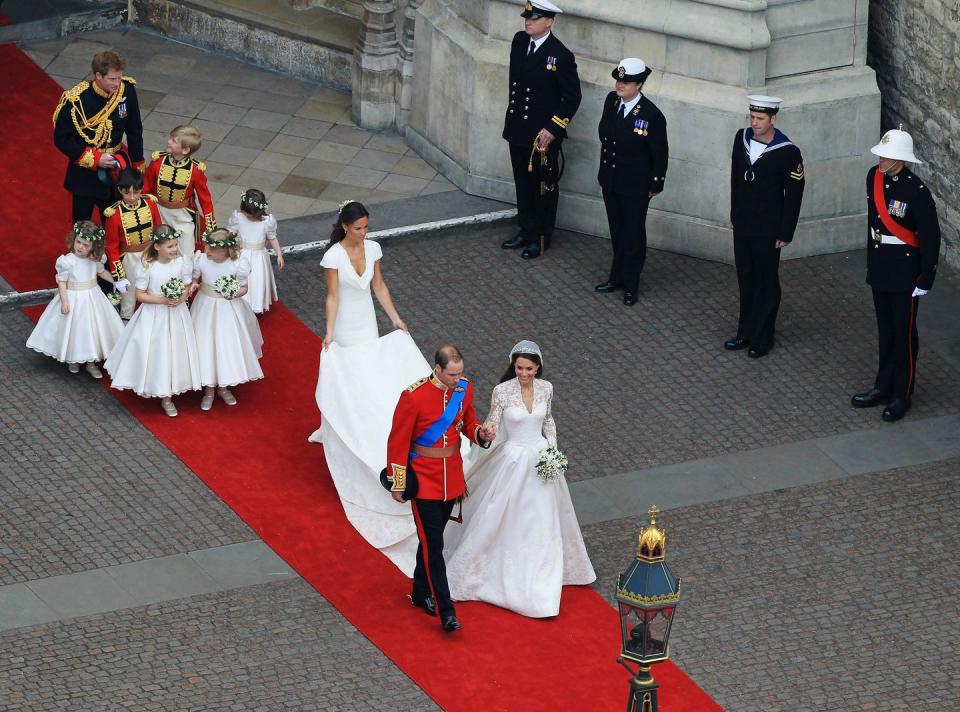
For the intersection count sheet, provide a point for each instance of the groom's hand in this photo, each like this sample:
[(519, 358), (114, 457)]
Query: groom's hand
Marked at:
[(398, 496)]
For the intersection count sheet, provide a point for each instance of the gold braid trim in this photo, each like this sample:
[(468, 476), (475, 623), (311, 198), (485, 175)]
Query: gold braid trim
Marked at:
[(98, 129)]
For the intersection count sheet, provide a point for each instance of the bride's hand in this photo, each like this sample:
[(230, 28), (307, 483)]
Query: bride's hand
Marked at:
[(400, 324), (327, 340)]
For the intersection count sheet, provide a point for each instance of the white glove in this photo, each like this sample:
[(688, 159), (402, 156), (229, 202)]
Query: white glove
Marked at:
[(122, 285), (917, 292)]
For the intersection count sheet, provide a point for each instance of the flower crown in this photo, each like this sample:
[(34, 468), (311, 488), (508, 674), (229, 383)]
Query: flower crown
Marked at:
[(251, 201), (94, 234), (229, 241), (162, 233)]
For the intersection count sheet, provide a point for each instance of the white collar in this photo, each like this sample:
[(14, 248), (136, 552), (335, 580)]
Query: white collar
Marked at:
[(632, 103), (537, 43)]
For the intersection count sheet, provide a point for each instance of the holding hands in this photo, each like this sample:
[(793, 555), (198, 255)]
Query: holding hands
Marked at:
[(488, 431)]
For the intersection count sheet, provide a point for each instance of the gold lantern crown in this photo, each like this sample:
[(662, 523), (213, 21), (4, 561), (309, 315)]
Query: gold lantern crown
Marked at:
[(652, 542)]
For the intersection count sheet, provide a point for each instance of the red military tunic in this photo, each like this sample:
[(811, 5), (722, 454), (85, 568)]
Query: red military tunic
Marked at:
[(181, 184), (128, 230), (419, 407)]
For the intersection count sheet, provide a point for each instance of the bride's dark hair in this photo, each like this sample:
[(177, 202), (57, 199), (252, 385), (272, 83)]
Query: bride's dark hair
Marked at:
[(509, 373), (349, 214)]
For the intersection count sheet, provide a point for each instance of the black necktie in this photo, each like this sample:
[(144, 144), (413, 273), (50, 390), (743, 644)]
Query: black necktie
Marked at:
[(623, 110), (533, 48)]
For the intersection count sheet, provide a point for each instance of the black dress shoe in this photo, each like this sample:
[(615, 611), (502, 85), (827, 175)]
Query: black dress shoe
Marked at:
[(754, 352), (531, 252), (450, 624), (870, 399), (427, 604), (897, 409), (736, 343), (607, 287), (515, 242), (629, 298)]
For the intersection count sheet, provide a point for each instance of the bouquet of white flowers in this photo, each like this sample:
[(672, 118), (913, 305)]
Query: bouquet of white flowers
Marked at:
[(114, 297), (227, 286), (173, 288), (552, 464)]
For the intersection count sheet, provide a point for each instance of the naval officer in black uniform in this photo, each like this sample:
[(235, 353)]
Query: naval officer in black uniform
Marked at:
[(544, 96), (766, 189), (633, 168), (903, 248)]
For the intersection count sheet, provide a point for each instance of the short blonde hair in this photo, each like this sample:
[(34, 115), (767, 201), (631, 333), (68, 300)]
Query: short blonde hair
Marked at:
[(188, 136)]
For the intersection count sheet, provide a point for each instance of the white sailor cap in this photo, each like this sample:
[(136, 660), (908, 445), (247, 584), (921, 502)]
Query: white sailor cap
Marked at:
[(766, 104), (536, 9), (631, 69)]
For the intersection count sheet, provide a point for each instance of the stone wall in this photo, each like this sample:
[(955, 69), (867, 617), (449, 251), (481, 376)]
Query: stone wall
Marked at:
[(914, 46)]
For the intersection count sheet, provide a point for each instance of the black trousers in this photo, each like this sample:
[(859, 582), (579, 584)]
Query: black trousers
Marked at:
[(898, 342), (758, 274), (536, 213), (83, 204), (430, 574), (627, 217)]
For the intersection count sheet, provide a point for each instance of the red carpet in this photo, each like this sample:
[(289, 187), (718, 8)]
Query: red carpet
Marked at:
[(280, 487)]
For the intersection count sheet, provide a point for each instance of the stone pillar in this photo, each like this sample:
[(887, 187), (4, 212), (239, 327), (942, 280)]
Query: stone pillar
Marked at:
[(376, 57), (405, 83), (707, 56)]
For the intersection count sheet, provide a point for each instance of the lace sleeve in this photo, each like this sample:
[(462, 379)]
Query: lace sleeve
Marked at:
[(496, 407), (549, 426)]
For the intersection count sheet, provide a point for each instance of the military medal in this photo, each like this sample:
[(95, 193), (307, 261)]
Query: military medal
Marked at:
[(897, 208), (640, 127), (122, 110), (552, 64)]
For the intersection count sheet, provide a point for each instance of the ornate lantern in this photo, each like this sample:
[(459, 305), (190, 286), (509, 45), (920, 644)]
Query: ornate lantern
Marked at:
[(647, 596)]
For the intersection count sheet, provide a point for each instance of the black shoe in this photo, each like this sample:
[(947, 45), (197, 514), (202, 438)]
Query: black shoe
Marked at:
[(629, 298), (897, 409), (427, 604), (870, 399), (736, 343), (515, 242), (450, 624), (531, 252), (754, 352), (607, 287)]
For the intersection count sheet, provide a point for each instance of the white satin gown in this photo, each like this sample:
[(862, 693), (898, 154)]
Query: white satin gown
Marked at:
[(520, 541), (361, 378)]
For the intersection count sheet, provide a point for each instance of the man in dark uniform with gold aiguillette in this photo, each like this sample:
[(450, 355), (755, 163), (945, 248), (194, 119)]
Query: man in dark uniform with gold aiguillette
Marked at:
[(544, 96), (902, 253), (424, 466)]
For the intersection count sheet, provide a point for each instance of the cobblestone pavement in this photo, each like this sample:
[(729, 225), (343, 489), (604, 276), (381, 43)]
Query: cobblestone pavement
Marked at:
[(82, 484), (649, 385), (271, 647), (835, 597)]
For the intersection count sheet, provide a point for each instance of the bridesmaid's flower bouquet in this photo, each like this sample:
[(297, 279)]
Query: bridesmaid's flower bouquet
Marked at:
[(552, 464), (173, 288), (114, 297), (227, 286)]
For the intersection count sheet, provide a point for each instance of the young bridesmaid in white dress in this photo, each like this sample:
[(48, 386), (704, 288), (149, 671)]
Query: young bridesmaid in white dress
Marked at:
[(256, 228), (228, 337), (79, 326), (520, 542), (156, 356)]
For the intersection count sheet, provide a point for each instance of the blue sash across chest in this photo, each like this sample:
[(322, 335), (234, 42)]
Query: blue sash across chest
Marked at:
[(436, 429)]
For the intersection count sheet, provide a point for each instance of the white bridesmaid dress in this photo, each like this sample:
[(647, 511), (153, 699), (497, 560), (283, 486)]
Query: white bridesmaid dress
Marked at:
[(254, 234)]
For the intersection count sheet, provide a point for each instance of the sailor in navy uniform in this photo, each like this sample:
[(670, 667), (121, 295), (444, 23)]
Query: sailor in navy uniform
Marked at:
[(544, 96), (903, 248), (633, 168), (766, 189)]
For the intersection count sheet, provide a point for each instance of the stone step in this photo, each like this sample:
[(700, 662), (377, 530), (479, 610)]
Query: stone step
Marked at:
[(50, 19), (354, 8), (313, 43)]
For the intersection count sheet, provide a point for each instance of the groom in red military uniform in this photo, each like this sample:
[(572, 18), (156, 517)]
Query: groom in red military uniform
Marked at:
[(424, 466)]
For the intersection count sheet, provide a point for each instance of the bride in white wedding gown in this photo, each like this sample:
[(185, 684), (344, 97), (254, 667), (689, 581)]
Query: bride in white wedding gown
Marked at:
[(520, 542), (361, 377)]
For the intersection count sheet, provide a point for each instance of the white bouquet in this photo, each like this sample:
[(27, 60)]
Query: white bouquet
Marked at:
[(227, 286), (552, 464), (173, 288), (114, 297)]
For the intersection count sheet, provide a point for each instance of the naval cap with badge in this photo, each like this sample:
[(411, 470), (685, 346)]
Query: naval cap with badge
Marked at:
[(765, 104), (535, 9), (631, 69), (897, 145)]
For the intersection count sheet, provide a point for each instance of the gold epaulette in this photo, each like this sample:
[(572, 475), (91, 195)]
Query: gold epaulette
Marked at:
[(71, 95), (111, 210), (150, 196), (156, 154), (201, 165), (130, 80), (416, 384)]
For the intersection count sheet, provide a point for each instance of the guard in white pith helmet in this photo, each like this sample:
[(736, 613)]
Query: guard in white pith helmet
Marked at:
[(902, 253)]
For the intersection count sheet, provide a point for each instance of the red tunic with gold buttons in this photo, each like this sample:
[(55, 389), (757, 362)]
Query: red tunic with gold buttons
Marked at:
[(128, 230), (419, 407), (181, 184)]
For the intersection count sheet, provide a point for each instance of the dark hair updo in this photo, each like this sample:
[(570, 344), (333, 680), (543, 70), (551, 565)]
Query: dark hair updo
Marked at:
[(511, 372), (349, 214)]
